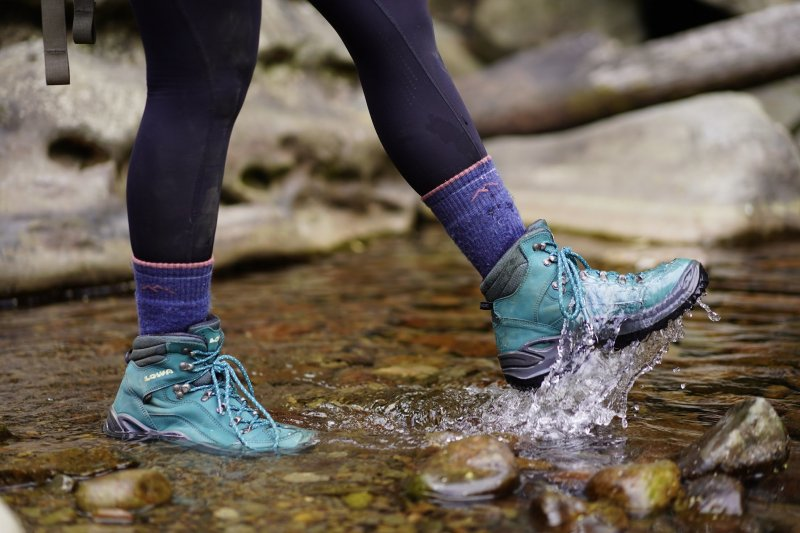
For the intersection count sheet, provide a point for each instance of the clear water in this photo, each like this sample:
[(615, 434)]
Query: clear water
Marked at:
[(386, 352)]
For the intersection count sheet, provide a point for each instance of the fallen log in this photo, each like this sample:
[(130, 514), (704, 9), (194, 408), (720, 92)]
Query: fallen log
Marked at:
[(582, 78)]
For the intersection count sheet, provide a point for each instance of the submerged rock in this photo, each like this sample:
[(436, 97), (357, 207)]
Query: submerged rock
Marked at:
[(128, 489), (639, 488), (27, 467), (749, 440), (551, 508), (5, 433), (471, 468), (715, 494)]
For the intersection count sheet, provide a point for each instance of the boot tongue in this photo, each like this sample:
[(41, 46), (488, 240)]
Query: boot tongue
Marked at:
[(210, 331), (538, 227)]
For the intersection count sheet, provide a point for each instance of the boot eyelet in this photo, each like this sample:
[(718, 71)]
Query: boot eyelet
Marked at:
[(186, 351)]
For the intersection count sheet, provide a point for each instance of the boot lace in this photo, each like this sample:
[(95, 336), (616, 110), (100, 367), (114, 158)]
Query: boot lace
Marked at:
[(232, 393), (567, 262)]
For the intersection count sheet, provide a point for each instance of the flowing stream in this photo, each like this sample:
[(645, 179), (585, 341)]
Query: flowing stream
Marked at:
[(384, 351)]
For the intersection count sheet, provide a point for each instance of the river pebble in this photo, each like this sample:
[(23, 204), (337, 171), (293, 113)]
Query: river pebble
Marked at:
[(715, 494), (474, 467), (128, 489), (640, 489), (749, 440), (551, 508)]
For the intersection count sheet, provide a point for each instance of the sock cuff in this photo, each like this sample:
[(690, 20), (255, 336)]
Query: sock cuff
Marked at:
[(200, 264), (172, 271), (469, 174)]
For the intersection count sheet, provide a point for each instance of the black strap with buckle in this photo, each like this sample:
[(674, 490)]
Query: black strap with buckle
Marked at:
[(54, 33)]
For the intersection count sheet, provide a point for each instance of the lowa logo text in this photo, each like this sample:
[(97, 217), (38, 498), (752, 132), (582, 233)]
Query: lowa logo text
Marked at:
[(159, 374)]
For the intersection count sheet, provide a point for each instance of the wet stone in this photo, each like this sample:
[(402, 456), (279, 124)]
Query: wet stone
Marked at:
[(62, 483), (226, 513), (29, 467), (304, 477), (358, 500), (60, 516), (749, 440), (129, 489), (472, 468), (640, 489), (552, 509), (112, 516), (715, 494), (5, 433)]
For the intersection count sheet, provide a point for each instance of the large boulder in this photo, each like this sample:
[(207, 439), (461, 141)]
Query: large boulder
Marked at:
[(709, 168), (577, 79), (300, 181), (739, 7), (781, 101), (504, 26)]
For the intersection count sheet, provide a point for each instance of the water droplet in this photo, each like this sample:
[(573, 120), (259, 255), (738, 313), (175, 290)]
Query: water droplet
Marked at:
[(636, 407), (676, 369), (712, 316), (683, 385)]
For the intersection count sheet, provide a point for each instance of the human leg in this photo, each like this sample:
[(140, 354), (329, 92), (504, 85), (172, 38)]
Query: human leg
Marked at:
[(531, 285), (423, 123), (178, 386)]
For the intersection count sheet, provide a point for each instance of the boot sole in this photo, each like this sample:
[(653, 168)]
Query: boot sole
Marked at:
[(127, 428), (526, 368)]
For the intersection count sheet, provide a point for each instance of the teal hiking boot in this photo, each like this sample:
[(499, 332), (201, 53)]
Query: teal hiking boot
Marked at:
[(180, 388), (537, 286)]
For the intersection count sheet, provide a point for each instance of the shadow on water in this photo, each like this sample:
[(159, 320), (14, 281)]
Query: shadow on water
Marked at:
[(386, 353)]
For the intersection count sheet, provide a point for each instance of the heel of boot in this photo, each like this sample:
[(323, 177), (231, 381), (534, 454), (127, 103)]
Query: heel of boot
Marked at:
[(125, 427), (527, 367)]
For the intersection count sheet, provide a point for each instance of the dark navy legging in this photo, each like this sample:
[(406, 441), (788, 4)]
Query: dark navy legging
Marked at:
[(200, 59)]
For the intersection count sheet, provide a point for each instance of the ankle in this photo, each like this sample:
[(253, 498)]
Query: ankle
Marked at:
[(170, 297)]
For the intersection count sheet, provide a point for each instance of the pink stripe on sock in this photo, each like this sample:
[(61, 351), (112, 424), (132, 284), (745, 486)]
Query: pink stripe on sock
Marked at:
[(457, 177), (173, 265)]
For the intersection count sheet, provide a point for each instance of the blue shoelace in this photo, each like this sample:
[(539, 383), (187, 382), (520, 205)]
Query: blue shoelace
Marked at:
[(568, 272), (220, 366)]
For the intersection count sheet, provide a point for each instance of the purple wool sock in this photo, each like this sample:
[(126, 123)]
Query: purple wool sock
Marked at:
[(170, 297), (478, 213)]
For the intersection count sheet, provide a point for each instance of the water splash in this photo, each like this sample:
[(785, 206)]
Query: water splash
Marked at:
[(712, 316), (586, 389)]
